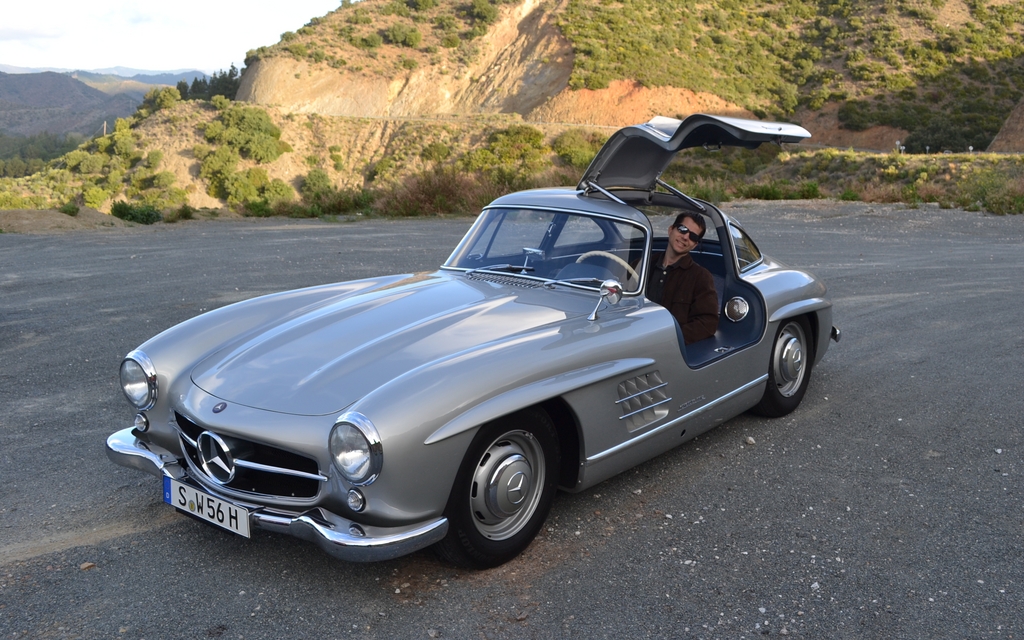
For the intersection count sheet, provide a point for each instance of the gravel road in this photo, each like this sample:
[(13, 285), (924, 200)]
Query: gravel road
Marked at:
[(889, 505)]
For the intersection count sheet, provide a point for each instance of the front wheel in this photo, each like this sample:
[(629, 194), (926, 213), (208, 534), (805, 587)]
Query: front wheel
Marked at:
[(503, 491), (789, 369)]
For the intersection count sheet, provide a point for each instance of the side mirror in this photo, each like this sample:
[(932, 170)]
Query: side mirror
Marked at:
[(611, 290)]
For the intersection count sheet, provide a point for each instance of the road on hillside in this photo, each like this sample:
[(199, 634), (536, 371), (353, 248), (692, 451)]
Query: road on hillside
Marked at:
[(889, 505)]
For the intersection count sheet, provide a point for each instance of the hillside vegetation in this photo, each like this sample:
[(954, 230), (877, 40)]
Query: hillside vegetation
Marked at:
[(947, 73), (174, 157)]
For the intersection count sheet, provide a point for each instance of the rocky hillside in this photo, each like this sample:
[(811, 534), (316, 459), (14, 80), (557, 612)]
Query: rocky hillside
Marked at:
[(862, 73), (521, 66)]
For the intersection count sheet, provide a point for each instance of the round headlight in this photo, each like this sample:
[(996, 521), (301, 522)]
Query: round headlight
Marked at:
[(356, 448), (138, 380)]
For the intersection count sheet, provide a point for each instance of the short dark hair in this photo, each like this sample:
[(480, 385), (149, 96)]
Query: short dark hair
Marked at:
[(697, 220)]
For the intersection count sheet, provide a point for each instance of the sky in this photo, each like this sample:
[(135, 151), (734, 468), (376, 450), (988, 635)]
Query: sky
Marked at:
[(207, 35)]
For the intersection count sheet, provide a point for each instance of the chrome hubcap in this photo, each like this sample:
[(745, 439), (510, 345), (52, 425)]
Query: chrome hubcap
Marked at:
[(506, 485), (789, 365)]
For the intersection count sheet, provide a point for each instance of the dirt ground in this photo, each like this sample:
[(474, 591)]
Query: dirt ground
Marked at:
[(53, 221)]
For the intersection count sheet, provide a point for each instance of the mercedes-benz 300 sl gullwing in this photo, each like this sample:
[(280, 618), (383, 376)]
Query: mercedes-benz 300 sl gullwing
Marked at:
[(378, 417)]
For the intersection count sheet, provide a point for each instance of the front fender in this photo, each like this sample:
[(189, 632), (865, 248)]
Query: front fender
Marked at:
[(427, 417)]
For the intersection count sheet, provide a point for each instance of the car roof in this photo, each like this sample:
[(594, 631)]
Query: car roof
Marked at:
[(569, 199), (634, 157)]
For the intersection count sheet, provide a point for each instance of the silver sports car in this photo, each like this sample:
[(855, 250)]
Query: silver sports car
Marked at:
[(378, 417)]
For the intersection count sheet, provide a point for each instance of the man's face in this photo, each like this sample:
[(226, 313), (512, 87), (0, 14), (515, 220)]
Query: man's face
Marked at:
[(682, 242)]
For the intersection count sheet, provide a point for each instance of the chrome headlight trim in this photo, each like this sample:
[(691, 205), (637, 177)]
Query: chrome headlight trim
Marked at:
[(140, 359), (369, 468)]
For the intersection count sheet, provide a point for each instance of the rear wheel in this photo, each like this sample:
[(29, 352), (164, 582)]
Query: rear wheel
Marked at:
[(503, 491), (789, 369)]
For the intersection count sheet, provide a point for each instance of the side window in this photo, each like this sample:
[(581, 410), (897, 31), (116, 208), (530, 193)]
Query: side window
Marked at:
[(746, 251), (579, 230)]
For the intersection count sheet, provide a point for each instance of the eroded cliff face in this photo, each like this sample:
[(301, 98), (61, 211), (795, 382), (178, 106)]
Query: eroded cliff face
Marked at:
[(522, 67), (1010, 138), (522, 62)]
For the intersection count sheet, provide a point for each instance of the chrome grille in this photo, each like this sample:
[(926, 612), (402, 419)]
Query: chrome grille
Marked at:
[(260, 469), (643, 400)]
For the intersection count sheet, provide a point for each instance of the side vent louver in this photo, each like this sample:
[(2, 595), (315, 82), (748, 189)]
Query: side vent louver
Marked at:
[(643, 400)]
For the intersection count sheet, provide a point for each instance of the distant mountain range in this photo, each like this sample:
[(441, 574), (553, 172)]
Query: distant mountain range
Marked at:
[(139, 75), (61, 101)]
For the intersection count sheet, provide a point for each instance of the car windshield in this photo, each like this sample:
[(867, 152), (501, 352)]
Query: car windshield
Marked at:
[(554, 245)]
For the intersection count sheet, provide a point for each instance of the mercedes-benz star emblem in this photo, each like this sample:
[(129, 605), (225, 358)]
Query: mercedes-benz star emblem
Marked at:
[(517, 487), (220, 406), (215, 457)]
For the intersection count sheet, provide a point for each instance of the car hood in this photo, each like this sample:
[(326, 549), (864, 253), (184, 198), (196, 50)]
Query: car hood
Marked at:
[(324, 360), (634, 157)]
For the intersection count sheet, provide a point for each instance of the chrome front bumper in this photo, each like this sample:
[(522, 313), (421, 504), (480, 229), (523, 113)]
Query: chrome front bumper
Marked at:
[(342, 538)]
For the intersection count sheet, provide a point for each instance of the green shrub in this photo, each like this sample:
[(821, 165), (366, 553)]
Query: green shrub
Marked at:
[(184, 212), (371, 41), (200, 151), (258, 209), (809, 191), (239, 190), (74, 158), (395, 8), (163, 180), (154, 158), (219, 164), (435, 152), (257, 177), (577, 147), (278, 191), (483, 11), (511, 155), (764, 191), (316, 185), (92, 163), (359, 16), (140, 213), (381, 168), (70, 209), (451, 41), (94, 197), (403, 35)]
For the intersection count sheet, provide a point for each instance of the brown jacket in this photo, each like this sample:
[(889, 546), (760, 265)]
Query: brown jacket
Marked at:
[(689, 293)]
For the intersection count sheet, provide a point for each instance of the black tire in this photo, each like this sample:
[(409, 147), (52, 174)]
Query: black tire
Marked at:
[(789, 369), (492, 518)]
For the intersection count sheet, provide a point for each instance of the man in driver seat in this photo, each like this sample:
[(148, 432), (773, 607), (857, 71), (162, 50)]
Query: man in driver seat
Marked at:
[(681, 285)]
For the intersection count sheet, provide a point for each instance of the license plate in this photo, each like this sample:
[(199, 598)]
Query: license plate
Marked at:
[(202, 505)]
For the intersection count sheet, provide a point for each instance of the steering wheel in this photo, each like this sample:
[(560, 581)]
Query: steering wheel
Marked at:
[(633, 277)]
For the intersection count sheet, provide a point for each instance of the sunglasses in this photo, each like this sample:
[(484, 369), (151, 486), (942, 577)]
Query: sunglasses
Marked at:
[(694, 235)]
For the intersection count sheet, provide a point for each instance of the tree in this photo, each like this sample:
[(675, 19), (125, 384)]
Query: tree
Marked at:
[(200, 89), (183, 89), (225, 83)]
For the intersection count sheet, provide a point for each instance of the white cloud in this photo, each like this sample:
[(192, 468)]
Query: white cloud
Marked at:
[(184, 34)]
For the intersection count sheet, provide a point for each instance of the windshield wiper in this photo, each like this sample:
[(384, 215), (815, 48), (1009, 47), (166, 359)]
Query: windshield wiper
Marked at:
[(592, 281), (507, 268)]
